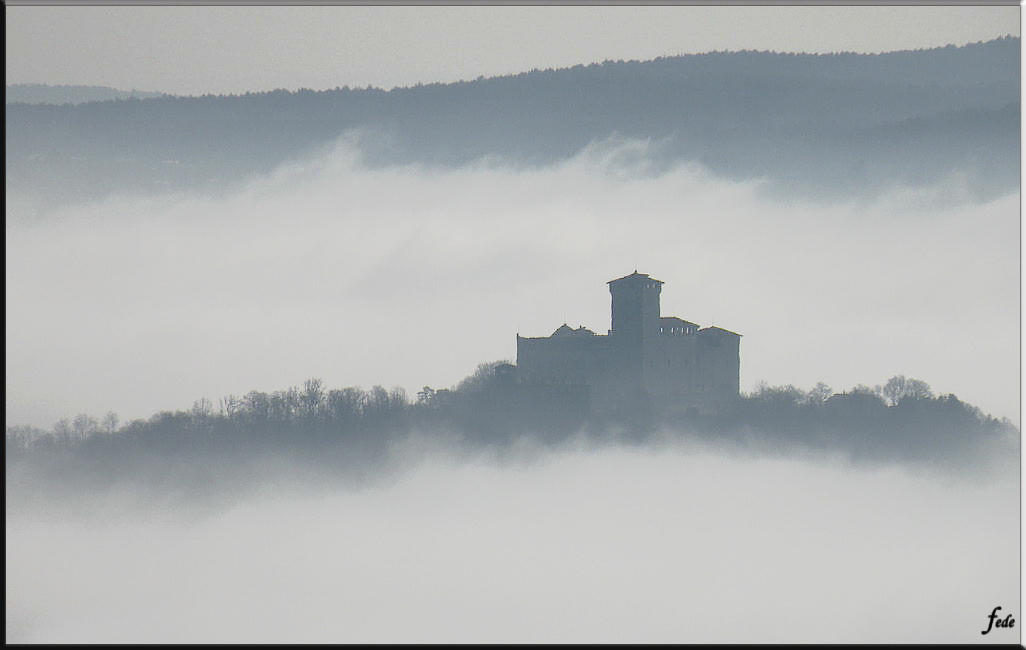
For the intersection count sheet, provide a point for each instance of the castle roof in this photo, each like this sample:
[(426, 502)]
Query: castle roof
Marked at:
[(676, 321), (566, 330), (635, 277), (718, 330)]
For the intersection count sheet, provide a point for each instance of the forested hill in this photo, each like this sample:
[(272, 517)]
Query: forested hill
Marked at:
[(350, 431), (67, 94), (828, 126)]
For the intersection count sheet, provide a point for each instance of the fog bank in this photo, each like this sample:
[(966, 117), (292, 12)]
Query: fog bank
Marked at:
[(671, 544), (411, 277)]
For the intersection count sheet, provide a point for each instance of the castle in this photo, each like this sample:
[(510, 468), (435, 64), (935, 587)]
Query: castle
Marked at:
[(658, 363)]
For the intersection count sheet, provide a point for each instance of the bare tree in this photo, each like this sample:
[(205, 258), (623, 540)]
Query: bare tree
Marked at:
[(819, 394), (202, 407), (230, 405), (899, 388), (62, 429), (346, 404), (110, 422), (83, 425), (311, 400)]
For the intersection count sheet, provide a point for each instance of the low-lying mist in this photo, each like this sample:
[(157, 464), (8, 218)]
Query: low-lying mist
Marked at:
[(412, 276), (678, 540)]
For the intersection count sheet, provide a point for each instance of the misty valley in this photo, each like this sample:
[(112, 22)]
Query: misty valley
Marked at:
[(721, 474), (501, 511)]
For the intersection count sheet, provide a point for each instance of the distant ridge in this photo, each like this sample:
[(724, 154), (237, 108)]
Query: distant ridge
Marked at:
[(66, 94), (826, 126)]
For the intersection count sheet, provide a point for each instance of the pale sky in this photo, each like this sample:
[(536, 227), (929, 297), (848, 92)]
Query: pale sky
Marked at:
[(231, 49)]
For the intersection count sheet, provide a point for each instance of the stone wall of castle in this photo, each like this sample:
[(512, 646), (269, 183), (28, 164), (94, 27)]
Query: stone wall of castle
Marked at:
[(646, 361)]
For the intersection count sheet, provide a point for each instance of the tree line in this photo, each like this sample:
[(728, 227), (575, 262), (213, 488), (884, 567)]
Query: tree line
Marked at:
[(352, 429), (841, 124)]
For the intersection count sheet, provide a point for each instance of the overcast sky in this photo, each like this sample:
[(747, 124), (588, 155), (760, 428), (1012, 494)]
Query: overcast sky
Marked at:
[(195, 50)]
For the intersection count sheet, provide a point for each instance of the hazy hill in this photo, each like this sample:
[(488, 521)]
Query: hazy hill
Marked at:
[(64, 94), (830, 126), (349, 431)]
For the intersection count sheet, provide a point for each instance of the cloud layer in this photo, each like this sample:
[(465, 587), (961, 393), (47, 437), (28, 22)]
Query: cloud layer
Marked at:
[(410, 277), (668, 544)]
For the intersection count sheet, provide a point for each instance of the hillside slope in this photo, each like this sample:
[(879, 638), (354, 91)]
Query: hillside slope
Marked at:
[(836, 126)]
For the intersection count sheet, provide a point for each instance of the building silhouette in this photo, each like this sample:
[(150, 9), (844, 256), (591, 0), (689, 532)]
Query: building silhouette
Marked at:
[(646, 362)]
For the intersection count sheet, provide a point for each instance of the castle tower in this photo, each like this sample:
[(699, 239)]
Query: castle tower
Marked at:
[(635, 309), (633, 339), (646, 365)]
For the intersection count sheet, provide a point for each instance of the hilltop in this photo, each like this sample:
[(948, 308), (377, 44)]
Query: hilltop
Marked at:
[(69, 94), (829, 126)]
